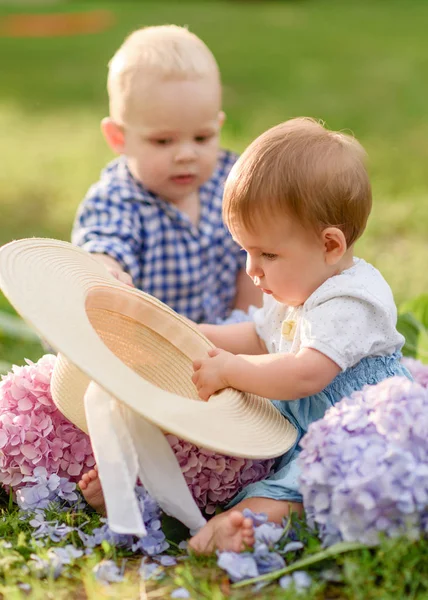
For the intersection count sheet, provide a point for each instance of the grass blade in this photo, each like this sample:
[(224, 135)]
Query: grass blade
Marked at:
[(339, 548)]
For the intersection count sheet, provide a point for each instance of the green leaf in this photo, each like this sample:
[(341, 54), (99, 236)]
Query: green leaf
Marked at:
[(15, 328), (413, 324), (418, 307), (410, 327)]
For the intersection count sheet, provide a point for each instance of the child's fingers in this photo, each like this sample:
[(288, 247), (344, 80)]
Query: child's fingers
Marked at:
[(122, 277), (214, 352), (204, 394), (197, 364), (125, 278)]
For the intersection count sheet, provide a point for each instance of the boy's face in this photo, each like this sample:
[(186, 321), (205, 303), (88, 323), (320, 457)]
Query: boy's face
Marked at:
[(172, 146)]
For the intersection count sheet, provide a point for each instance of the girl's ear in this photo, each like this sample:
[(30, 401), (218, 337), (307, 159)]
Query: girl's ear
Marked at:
[(221, 118), (335, 244), (114, 135)]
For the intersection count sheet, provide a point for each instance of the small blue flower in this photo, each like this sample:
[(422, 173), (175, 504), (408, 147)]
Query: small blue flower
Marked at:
[(239, 566), (67, 554), (268, 533), (292, 547), (150, 570), (300, 579), (107, 572), (257, 518), (46, 567), (166, 561), (266, 560), (180, 593)]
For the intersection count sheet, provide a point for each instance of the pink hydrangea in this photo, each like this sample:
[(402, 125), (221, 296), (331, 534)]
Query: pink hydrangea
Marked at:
[(215, 478), (34, 433)]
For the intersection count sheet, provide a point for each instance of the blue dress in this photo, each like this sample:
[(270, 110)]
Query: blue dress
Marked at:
[(283, 483)]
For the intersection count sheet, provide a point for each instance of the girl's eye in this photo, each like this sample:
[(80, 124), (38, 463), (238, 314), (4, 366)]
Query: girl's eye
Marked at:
[(269, 256)]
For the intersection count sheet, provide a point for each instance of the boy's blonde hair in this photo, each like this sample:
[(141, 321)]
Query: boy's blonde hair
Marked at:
[(304, 171), (160, 52)]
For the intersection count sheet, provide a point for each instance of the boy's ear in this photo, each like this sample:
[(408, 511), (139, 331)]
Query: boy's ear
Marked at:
[(335, 244), (221, 118), (113, 134)]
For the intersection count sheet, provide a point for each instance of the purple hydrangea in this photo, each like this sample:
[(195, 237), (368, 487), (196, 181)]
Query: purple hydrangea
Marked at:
[(42, 489), (418, 370), (365, 464)]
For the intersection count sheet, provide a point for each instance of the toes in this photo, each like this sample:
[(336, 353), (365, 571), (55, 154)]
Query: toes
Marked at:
[(92, 475), (247, 531), (236, 519)]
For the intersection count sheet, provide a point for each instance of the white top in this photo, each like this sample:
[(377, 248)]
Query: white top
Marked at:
[(350, 316)]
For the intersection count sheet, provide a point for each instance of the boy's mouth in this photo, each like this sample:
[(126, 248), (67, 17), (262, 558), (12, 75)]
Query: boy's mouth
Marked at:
[(183, 179)]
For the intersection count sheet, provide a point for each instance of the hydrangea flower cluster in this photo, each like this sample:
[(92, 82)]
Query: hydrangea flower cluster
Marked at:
[(365, 464), (46, 489), (418, 370), (213, 478), (33, 432)]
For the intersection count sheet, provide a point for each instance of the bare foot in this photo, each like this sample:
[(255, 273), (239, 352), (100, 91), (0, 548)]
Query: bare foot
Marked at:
[(228, 531), (90, 485)]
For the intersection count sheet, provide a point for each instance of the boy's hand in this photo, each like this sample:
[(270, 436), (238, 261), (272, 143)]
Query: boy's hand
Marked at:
[(114, 268), (121, 276), (210, 373)]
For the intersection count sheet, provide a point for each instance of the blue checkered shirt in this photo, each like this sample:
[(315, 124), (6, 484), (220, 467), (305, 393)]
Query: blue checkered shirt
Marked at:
[(191, 268)]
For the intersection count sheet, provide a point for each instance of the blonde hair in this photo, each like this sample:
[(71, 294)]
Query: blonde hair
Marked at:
[(305, 171), (164, 52)]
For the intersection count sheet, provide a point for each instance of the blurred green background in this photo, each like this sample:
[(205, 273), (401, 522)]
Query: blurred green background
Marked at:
[(361, 66)]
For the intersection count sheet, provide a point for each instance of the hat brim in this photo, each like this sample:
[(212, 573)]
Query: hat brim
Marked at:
[(66, 295)]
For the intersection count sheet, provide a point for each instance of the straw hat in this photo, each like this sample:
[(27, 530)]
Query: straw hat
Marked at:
[(123, 374)]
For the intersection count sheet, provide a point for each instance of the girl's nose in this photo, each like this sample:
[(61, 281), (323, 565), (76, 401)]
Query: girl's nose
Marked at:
[(253, 269)]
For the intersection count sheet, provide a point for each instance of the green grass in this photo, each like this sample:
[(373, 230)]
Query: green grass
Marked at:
[(397, 569)]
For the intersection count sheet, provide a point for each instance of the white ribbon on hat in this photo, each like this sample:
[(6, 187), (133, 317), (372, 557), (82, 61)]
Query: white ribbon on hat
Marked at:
[(125, 446)]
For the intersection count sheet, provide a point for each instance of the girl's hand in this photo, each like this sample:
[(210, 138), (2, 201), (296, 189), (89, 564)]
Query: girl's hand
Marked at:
[(210, 374)]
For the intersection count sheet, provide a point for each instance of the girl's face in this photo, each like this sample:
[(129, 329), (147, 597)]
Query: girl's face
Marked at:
[(284, 259)]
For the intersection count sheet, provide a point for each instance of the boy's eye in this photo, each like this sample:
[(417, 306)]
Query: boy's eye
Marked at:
[(202, 138), (162, 141), (269, 256)]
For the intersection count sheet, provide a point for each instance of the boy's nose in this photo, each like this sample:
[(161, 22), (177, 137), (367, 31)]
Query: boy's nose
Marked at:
[(185, 153)]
